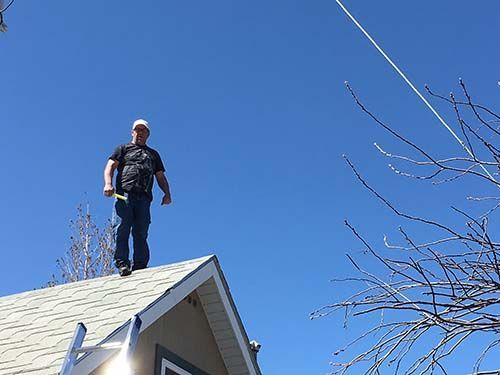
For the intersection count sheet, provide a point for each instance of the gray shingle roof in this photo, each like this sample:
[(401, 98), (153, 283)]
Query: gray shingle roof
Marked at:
[(36, 327)]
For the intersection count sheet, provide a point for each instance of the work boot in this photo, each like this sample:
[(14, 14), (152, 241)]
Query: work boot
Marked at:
[(124, 270)]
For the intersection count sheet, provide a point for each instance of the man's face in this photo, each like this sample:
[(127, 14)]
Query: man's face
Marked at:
[(140, 135)]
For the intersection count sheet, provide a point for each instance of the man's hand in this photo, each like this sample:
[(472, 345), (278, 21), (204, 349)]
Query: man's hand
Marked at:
[(162, 181), (108, 190), (166, 199), (109, 170)]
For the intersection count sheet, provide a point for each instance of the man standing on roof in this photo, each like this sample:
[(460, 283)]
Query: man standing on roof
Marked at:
[(137, 164)]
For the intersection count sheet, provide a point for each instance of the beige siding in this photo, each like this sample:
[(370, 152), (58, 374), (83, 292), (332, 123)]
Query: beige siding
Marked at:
[(185, 331)]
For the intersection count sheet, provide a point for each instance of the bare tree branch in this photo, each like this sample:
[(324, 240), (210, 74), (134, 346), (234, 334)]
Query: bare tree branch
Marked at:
[(434, 294), (90, 252)]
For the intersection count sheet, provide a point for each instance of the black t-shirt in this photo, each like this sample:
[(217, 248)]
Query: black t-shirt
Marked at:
[(136, 169)]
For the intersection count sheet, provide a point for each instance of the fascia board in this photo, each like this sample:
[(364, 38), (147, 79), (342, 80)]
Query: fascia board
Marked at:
[(234, 320)]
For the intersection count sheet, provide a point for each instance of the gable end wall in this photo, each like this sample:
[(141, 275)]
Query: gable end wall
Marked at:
[(185, 331)]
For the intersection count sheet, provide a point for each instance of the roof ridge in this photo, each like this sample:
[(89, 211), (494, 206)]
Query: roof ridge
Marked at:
[(104, 278)]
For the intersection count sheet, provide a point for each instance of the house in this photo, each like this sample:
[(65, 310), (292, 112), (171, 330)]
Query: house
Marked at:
[(190, 325)]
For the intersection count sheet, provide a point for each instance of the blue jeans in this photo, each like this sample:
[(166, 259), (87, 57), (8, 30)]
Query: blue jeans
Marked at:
[(132, 214)]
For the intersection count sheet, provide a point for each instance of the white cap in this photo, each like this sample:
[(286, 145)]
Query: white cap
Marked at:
[(141, 122)]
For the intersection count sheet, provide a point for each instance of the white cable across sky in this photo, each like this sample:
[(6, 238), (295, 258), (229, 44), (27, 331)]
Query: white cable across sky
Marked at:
[(412, 86)]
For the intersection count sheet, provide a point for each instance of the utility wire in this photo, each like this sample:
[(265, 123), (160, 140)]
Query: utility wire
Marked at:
[(412, 86)]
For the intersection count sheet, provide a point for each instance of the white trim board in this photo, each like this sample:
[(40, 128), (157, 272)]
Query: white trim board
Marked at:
[(166, 364), (234, 323)]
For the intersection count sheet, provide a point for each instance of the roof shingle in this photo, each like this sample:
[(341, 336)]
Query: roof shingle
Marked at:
[(36, 327)]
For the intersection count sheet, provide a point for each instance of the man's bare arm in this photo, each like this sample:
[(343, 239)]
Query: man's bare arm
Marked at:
[(163, 183), (109, 170)]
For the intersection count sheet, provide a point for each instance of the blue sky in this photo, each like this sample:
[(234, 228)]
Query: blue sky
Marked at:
[(248, 109)]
